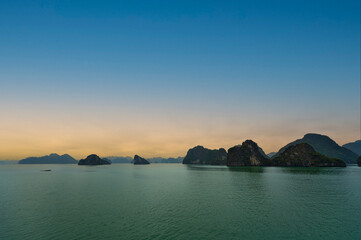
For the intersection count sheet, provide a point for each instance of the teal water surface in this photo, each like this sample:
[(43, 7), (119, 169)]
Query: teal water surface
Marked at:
[(174, 201)]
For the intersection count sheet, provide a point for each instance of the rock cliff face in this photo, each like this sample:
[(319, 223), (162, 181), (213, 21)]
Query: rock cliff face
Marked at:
[(304, 155), (94, 159), (49, 159), (247, 154), (139, 161), (326, 146), (201, 155)]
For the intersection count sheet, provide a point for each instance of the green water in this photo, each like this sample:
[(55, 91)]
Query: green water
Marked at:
[(173, 201)]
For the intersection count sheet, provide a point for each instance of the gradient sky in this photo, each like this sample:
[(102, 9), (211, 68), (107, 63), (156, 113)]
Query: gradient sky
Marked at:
[(155, 78)]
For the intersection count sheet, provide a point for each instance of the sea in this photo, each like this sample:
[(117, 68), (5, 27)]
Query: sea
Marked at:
[(175, 201)]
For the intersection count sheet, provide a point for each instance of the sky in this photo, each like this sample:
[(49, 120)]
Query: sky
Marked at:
[(155, 78)]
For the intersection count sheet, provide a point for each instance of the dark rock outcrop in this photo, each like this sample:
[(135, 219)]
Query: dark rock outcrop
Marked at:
[(139, 161), (354, 147), (359, 161), (247, 154), (94, 159), (49, 159), (304, 155), (326, 146), (201, 155)]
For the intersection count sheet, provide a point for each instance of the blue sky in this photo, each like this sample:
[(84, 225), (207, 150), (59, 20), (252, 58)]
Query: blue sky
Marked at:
[(116, 76)]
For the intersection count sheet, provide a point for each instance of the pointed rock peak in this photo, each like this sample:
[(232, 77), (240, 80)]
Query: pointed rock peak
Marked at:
[(139, 160), (248, 154), (198, 147), (249, 143), (93, 159)]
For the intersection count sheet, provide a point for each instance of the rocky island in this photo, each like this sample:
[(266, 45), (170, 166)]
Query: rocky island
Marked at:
[(354, 147), (326, 146), (94, 159), (139, 160), (304, 155), (49, 159), (201, 155), (247, 154)]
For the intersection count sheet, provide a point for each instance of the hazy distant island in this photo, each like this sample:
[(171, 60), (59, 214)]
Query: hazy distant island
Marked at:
[(67, 159), (49, 159), (117, 159), (271, 154), (314, 150), (165, 160), (139, 161), (354, 147), (94, 159)]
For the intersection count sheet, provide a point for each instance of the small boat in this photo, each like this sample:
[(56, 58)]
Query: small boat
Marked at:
[(46, 170)]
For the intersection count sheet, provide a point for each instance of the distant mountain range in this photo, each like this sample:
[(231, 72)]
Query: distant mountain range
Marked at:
[(199, 155), (165, 160), (7, 162), (354, 147), (271, 154), (326, 146), (49, 159), (116, 159), (67, 159)]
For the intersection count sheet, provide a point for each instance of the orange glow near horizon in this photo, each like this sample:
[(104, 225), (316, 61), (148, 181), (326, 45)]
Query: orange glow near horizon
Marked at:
[(27, 135)]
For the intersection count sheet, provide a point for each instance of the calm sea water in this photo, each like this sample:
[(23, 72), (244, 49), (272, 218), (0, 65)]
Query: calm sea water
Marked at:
[(173, 201)]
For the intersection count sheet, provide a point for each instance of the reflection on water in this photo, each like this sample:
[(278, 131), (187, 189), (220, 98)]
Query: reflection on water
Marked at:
[(247, 169), (205, 167), (312, 170), (171, 201), (256, 169), (224, 168)]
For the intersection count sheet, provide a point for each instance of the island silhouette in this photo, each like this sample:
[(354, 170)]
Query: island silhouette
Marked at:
[(312, 150)]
